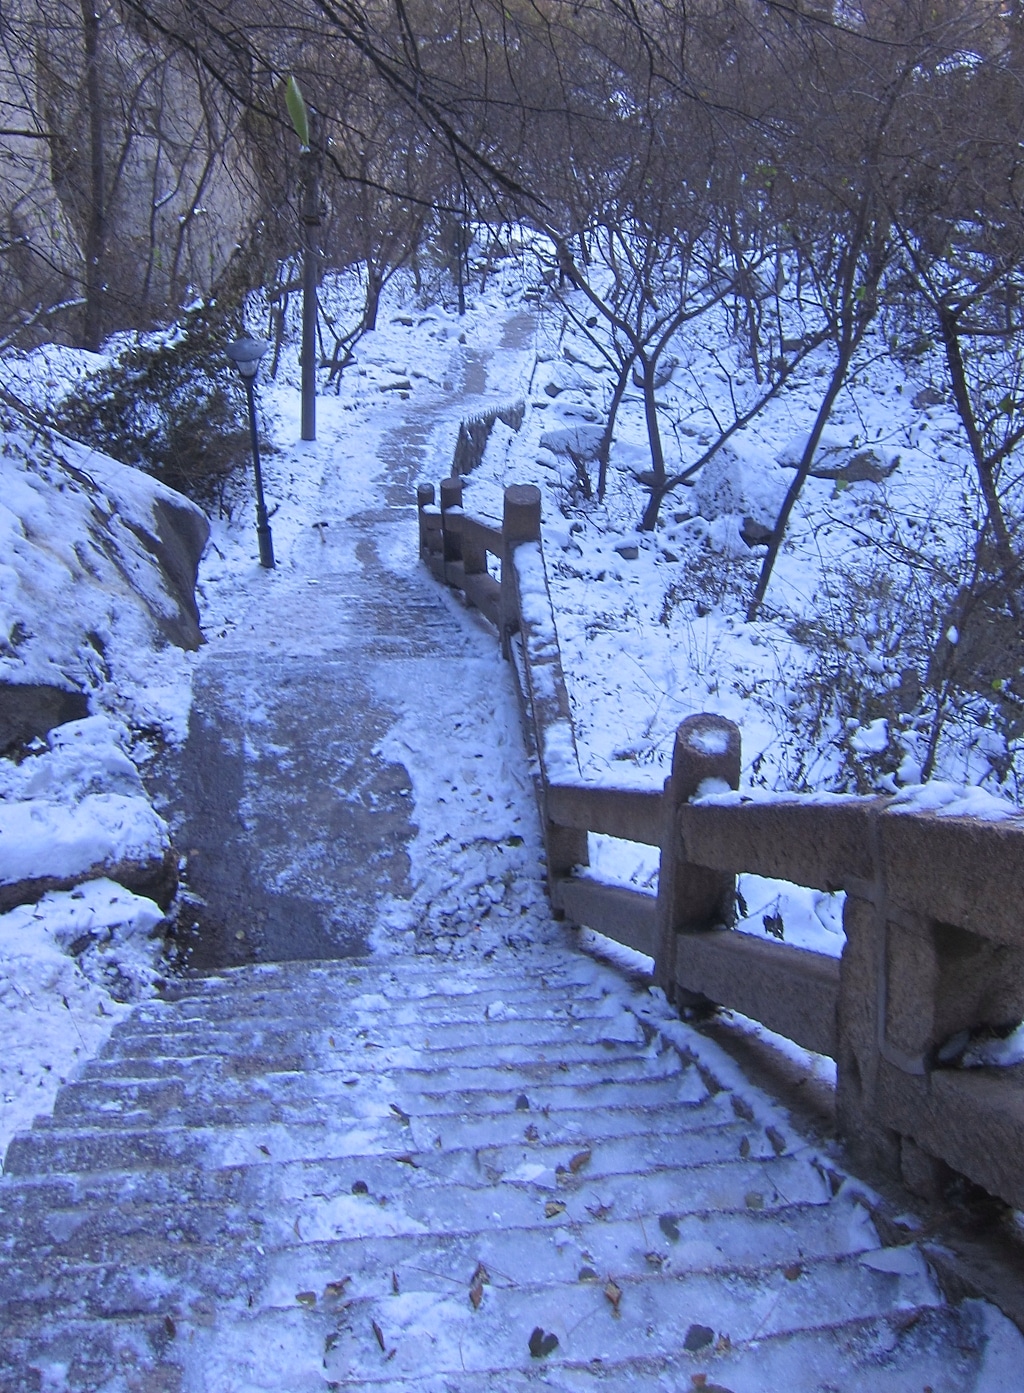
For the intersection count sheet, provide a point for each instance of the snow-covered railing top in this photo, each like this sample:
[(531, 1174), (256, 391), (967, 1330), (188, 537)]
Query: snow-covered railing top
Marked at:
[(933, 911)]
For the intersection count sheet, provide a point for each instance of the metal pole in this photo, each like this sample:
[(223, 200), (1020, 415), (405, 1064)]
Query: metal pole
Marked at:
[(266, 541), (310, 211)]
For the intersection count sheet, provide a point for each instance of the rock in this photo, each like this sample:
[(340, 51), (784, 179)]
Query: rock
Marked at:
[(30, 710), (755, 533), (927, 396), (176, 542), (629, 551), (837, 459), (155, 878), (78, 812), (583, 440), (748, 488), (552, 389), (101, 563), (662, 372)]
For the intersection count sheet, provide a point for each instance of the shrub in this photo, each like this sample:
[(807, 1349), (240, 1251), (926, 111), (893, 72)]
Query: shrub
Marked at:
[(166, 404)]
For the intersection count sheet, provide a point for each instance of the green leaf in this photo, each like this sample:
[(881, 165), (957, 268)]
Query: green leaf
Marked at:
[(296, 104)]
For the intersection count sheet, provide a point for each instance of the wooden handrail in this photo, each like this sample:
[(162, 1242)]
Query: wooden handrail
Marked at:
[(933, 913)]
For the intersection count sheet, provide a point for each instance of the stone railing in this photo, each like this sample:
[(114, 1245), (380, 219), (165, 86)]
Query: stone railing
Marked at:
[(934, 909)]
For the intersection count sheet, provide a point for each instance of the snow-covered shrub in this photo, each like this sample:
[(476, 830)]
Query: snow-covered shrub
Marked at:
[(167, 404)]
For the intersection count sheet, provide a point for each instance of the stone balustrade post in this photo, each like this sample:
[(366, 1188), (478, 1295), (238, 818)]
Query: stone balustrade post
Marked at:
[(706, 757), (424, 500), (451, 533), (520, 523)]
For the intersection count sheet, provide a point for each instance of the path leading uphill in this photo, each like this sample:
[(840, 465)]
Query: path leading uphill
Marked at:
[(473, 1160), (296, 826)]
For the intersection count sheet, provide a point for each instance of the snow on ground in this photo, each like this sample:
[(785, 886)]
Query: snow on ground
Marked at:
[(830, 686)]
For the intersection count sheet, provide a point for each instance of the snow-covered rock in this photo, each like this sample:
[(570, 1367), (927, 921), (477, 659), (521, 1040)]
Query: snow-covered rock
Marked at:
[(96, 586), (839, 459), (582, 440), (79, 812), (736, 485)]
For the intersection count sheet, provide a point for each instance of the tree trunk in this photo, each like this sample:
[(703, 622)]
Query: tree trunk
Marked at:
[(95, 202), (949, 329)]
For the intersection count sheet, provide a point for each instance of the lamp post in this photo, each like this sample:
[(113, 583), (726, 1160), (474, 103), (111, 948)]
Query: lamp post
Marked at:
[(246, 354)]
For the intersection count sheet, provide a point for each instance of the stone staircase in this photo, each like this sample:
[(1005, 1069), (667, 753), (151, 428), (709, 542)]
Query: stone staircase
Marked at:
[(492, 1173)]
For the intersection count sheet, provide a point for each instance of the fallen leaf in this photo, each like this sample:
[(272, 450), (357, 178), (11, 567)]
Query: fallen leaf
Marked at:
[(331, 1041), (669, 1225), (587, 1274), (394, 1283), (745, 1147), (742, 1108), (264, 1149), (380, 1336), (401, 1114), (552, 1208), (542, 1342), (306, 1298), (773, 925), (698, 1337), (753, 1199), (792, 1272), (599, 1210), (408, 1161), (578, 1161), (614, 1294), (360, 1187), (777, 1140), (170, 1326), (656, 1260), (480, 1278), (522, 1103), (531, 1133), (334, 1291)]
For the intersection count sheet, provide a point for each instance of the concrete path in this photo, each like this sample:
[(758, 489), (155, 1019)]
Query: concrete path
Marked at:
[(294, 826)]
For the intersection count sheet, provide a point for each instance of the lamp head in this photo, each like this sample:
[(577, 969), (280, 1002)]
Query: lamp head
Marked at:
[(246, 353)]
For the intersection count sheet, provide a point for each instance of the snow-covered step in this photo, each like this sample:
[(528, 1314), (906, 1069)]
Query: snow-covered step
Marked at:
[(535, 968), (944, 1348), (292, 1060), (193, 1075), (355, 1035), (655, 1319), (78, 1275), (185, 1101), (397, 1194), (267, 1007), (244, 1141)]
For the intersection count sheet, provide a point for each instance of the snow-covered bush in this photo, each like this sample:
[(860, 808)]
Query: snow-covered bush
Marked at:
[(167, 404)]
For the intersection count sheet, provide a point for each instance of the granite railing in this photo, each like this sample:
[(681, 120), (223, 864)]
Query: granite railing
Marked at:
[(933, 914)]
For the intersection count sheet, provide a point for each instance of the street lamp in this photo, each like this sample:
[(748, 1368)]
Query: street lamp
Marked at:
[(246, 354)]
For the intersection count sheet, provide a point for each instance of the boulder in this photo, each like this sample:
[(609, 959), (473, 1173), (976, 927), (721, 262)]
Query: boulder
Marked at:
[(77, 812), (838, 459), (583, 440), (749, 488), (99, 570), (30, 710)]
